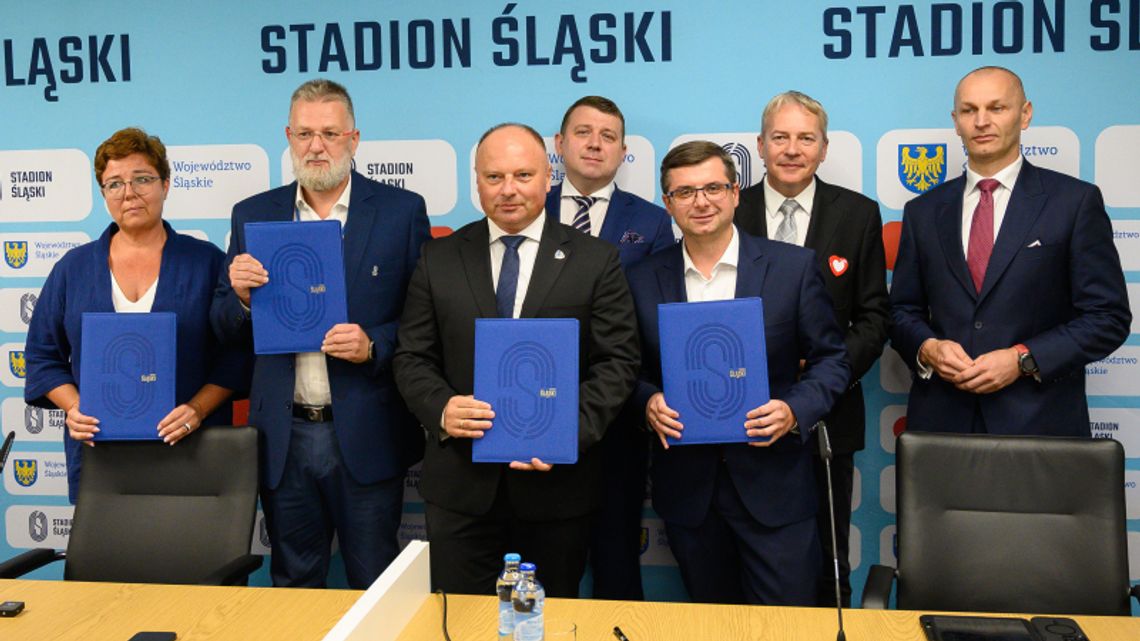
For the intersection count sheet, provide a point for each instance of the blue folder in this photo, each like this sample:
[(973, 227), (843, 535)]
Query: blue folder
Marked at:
[(714, 367), (127, 372), (527, 369), (305, 295)]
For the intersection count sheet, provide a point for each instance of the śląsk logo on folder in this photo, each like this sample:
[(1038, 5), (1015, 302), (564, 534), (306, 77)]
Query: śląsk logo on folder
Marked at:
[(305, 295), (714, 367), (527, 369), (127, 372)]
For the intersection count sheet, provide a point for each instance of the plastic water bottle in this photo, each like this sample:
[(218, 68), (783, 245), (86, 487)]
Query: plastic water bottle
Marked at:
[(503, 586), (529, 600)]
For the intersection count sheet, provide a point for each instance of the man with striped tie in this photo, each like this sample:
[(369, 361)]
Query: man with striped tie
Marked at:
[(591, 142)]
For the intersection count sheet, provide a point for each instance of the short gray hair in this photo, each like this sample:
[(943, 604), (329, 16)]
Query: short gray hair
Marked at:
[(323, 90), (811, 105)]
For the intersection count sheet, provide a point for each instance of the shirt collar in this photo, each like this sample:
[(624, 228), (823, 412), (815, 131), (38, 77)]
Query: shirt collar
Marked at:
[(341, 203), (730, 257), (773, 199), (1006, 176), (605, 193), (533, 231)]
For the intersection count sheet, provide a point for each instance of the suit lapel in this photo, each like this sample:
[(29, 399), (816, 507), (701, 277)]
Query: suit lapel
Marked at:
[(475, 256), (948, 220), (1025, 205), (671, 277), (363, 215), (824, 219), (751, 268), (554, 250), (618, 216)]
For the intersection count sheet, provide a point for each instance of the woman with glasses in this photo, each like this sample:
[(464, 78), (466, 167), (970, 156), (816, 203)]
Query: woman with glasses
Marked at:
[(139, 264)]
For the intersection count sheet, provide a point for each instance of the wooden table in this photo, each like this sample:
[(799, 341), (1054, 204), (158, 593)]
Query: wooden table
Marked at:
[(474, 618), (58, 610)]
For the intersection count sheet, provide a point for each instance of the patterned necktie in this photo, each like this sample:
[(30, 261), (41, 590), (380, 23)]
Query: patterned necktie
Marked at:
[(786, 232), (982, 233), (582, 218), (508, 276)]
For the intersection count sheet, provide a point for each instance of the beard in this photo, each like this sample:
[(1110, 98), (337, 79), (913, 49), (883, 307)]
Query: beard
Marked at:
[(316, 178)]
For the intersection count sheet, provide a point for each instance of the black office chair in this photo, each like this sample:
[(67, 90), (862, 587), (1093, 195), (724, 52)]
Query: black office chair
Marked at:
[(1008, 524), (151, 513)]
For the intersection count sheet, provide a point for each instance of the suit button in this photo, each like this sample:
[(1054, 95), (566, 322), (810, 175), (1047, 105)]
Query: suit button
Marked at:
[(977, 324)]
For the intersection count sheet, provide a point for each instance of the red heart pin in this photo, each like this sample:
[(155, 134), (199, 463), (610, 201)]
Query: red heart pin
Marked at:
[(838, 264)]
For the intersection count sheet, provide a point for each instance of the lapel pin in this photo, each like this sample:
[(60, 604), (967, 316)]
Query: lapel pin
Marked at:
[(558, 255), (838, 265), (375, 270)]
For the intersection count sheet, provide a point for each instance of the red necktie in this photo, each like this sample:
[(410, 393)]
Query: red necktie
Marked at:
[(982, 233)]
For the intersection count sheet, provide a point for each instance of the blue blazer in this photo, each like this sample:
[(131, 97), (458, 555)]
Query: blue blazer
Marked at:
[(776, 483), (378, 437), (634, 225), (1054, 283), (81, 282)]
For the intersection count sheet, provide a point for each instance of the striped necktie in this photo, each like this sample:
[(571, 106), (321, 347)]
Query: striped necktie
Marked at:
[(582, 218)]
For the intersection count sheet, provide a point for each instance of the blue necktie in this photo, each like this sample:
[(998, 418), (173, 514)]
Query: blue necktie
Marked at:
[(508, 276), (581, 220)]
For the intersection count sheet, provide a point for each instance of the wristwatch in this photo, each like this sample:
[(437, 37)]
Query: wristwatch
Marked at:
[(371, 350), (1026, 363)]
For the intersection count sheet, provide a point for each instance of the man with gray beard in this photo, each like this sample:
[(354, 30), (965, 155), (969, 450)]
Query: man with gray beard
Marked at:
[(336, 438)]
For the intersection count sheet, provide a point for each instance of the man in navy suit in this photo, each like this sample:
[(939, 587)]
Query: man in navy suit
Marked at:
[(792, 204), (741, 518), (591, 142), (336, 439), (1007, 282)]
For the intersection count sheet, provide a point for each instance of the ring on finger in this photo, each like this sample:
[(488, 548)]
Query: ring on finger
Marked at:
[(186, 426)]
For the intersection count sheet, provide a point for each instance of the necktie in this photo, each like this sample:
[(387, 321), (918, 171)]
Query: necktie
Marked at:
[(508, 276), (582, 218), (982, 233), (786, 232)]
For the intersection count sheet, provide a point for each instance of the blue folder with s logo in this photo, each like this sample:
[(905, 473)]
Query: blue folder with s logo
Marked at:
[(305, 295), (127, 372), (527, 369), (714, 367)]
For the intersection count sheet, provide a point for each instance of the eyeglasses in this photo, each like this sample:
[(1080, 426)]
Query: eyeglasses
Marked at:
[(712, 191), (141, 185), (329, 137)]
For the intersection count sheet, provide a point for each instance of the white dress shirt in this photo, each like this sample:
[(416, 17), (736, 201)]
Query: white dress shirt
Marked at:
[(568, 209), (528, 251), (311, 376), (774, 199), (722, 284)]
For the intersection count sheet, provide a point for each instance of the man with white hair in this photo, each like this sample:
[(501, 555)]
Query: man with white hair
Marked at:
[(336, 439)]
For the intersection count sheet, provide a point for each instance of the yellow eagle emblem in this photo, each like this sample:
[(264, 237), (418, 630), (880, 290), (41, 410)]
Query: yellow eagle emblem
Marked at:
[(25, 471), (16, 253), (18, 364), (919, 170)]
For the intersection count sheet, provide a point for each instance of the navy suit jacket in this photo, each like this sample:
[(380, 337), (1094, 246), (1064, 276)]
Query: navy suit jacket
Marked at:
[(776, 483), (378, 437), (1053, 282), (81, 282), (844, 225), (634, 225)]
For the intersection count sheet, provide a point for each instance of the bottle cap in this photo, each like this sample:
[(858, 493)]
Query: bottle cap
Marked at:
[(526, 567), (511, 556)]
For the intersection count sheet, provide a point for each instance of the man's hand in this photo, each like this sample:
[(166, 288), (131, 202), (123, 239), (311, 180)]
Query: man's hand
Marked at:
[(662, 419), (990, 372), (246, 272), (465, 417), (945, 357), (535, 465), (346, 341), (773, 419)]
